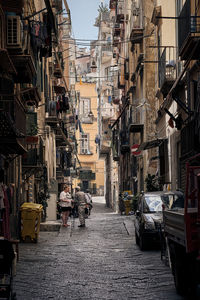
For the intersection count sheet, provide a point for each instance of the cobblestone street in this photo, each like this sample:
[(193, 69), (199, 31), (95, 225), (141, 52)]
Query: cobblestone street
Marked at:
[(101, 261)]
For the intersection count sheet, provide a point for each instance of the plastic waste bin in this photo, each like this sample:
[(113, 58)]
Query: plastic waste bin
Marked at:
[(30, 221), (127, 204)]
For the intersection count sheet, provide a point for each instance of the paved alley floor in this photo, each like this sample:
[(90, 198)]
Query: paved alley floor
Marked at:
[(101, 261)]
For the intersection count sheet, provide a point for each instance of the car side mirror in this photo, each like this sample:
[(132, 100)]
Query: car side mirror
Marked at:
[(137, 213)]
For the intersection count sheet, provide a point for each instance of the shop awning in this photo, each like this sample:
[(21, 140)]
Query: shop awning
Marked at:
[(151, 144)]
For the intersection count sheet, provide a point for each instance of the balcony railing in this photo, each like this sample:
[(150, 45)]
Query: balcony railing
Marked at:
[(30, 158), (12, 125), (87, 175), (136, 25), (167, 68), (120, 14), (117, 29), (107, 48), (86, 119), (115, 144), (188, 31), (31, 124)]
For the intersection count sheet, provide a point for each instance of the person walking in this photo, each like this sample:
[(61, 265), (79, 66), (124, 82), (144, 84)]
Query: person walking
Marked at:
[(65, 204), (81, 202), (89, 201)]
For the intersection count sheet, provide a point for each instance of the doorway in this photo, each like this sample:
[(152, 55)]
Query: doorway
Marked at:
[(85, 185)]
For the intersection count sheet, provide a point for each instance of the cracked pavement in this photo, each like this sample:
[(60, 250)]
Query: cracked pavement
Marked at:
[(101, 261)]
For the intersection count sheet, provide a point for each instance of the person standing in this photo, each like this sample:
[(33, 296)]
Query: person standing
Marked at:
[(89, 200), (66, 204), (81, 202)]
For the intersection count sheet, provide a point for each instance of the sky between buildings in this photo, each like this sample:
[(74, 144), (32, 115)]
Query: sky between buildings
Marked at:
[(83, 14)]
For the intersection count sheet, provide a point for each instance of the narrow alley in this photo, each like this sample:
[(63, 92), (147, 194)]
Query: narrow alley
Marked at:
[(101, 261)]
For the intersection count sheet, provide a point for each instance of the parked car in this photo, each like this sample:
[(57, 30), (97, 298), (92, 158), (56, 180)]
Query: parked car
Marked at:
[(149, 217)]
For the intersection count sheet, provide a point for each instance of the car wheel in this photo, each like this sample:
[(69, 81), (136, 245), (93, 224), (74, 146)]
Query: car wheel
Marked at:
[(137, 240), (142, 243)]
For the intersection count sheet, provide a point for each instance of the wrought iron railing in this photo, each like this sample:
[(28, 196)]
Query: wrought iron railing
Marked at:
[(167, 66), (12, 106), (187, 24)]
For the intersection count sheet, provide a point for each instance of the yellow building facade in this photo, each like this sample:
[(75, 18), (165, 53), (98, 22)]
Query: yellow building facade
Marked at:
[(91, 172)]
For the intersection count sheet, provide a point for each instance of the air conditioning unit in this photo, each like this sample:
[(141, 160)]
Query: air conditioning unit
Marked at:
[(14, 39)]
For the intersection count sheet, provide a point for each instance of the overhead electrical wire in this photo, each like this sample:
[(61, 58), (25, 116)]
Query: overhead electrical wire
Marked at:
[(110, 43)]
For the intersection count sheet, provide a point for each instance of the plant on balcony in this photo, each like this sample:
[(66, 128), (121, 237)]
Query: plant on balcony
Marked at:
[(152, 183)]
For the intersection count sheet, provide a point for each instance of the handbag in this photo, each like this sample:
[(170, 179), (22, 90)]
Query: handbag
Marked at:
[(86, 210)]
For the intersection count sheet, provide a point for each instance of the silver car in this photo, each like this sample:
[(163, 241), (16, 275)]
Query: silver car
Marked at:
[(149, 217)]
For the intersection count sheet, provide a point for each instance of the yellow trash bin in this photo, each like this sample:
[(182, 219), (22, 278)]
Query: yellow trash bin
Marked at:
[(127, 204), (30, 220)]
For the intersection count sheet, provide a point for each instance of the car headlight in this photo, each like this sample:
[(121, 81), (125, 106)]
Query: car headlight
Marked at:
[(149, 225)]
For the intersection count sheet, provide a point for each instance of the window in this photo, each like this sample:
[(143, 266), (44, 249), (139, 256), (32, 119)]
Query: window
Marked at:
[(84, 143), (84, 107), (108, 74)]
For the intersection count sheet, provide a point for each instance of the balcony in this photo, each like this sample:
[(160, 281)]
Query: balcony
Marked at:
[(30, 158), (58, 127), (57, 71), (87, 119), (167, 69), (25, 68), (107, 111), (115, 145), (87, 175), (117, 30), (31, 124), (189, 139), (120, 15), (30, 96), (188, 31), (59, 174), (21, 54), (105, 147), (137, 29), (12, 125), (12, 6), (6, 63), (116, 43), (59, 89), (106, 54), (124, 142), (33, 160), (107, 49)]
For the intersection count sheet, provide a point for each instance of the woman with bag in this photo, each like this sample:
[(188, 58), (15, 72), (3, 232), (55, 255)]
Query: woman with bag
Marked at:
[(65, 204)]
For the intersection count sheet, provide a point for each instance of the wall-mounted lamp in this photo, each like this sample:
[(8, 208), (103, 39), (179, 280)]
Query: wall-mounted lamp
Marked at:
[(90, 115)]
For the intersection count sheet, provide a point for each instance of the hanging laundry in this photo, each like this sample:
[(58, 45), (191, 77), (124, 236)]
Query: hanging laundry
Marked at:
[(52, 108), (58, 107)]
